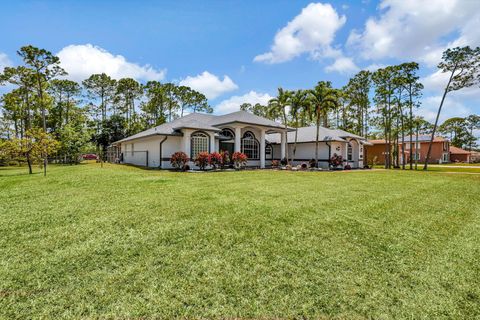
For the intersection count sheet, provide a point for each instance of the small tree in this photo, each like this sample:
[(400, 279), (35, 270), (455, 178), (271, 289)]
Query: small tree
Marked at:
[(239, 159), (215, 159), (31, 148), (201, 160), (179, 160)]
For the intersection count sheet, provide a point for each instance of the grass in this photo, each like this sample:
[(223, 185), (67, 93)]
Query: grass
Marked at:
[(121, 242)]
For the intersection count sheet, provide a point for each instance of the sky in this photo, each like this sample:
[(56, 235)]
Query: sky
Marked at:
[(242, 51)]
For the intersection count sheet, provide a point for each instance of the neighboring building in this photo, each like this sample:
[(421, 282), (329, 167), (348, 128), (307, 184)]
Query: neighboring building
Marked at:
[(459, 155), (440, 150), (262, 140)]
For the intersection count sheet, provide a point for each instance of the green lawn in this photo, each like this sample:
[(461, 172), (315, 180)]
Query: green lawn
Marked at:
[(122, 242)]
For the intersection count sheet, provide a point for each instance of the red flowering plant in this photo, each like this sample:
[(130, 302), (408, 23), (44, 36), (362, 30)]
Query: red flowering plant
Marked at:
[(240, 159), (201, 160), (336, 160), (179, 160), (215, 159)]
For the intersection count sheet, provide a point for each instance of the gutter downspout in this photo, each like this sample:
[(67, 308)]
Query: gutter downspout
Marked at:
[(161, 153), (329, 152)]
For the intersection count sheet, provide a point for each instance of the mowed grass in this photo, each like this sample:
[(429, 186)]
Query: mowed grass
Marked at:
[(122, 242)]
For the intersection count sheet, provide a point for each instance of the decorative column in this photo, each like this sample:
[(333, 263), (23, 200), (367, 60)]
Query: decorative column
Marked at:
[(186, 141), (283, 140), (238, 139), (262, 149)]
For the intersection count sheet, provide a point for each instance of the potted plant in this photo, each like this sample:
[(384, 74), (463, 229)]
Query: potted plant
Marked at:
[(336, 161), (201, 160), (179, 160), (215, 159), (239, 159)]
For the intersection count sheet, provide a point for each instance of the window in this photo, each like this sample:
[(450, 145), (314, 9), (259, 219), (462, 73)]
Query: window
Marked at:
[(198, 143), (416, 156), (250, 146), (445, 157), (360, 155), (268, 152), (349, 152), (228, 133)]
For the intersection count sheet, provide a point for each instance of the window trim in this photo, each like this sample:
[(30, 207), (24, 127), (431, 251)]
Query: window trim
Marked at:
[(254, 139), (191, 142)]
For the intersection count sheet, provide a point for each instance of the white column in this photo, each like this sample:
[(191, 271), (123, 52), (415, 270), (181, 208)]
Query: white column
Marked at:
[(262, 148), (238, 137), (212, 142), (186, 141), (283, 139)]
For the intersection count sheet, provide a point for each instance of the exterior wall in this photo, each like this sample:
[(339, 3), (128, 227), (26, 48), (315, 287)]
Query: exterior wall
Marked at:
[(152, 146), (459, 157), (437, 154)]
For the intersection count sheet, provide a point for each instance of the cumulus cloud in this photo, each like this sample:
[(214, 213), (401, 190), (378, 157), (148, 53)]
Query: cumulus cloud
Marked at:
[(209, 84), (411, 29), (4, 61), (343, 65), (81, 61), (233, 103), (452, 107), (312, 32)]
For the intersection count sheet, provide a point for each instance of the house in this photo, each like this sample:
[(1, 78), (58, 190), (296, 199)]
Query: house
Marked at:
[(460, 155), (439, 154), (261, 139)]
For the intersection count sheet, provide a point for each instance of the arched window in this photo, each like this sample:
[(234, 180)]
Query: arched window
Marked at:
[(199, 142), (228, 134), (349, 152), (250, 146)]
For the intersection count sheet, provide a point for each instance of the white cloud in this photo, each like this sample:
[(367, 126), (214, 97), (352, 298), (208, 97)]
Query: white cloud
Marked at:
[(81, 61), (412, 29), (342, 65), (233, 103), (4, 61), (452, 107), (312, 31), (209, 84)]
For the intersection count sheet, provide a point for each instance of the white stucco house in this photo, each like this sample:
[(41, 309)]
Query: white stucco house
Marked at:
[(261, 139)]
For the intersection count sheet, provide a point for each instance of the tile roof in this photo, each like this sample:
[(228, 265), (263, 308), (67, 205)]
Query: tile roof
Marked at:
[(455, 150), (309, 134)]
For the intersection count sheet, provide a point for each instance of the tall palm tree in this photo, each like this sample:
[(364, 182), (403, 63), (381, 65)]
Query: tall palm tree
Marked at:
[(298, 104), (322, 98), (279, 105)]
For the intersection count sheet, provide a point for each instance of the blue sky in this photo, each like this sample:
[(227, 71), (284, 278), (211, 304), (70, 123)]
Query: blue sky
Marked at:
[(241, 51)]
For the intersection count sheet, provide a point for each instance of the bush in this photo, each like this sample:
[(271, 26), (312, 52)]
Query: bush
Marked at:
[(179, 160), (312, 163), (347, 167), (284, 162), (336, 160), (186, 167), (215, 159), (304, 166), (240, 159), (202, 160), (275, 163), (225, 158)]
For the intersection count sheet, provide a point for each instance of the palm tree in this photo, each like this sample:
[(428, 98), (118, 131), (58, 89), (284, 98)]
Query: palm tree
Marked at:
[(279, 105), (298, 104), (322, 98)]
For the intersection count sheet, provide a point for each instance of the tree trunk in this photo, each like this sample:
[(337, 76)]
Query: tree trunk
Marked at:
[(44, 119), (416, 151), (29, 162), (295, 143), (427, 158), (316, 141)]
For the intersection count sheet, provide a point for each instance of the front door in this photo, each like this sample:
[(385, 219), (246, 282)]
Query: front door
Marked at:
[(227, 146)]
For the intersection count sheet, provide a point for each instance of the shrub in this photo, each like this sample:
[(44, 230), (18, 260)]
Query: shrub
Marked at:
[(186, 167), (225, 158), (347, 167), (304, 166), (179, 160), (284, 162), (239, 158), (275, 163), (215, 159), (336, 160), (312, 163), (202, 159)]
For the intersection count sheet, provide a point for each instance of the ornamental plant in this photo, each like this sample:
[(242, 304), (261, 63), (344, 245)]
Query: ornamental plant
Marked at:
[(336, 160), (202, 160), (179, 160), (240, 159), (215, 159), (225, 158), (275, 163)]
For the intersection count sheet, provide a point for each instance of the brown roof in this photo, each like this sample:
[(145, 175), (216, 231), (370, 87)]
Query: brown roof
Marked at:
[(422, 138), (455, 150)]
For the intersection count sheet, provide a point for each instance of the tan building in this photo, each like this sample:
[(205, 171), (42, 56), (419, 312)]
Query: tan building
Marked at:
[(440, 150)]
